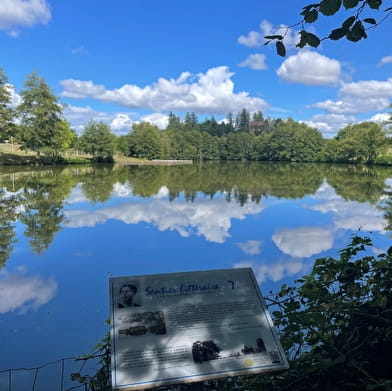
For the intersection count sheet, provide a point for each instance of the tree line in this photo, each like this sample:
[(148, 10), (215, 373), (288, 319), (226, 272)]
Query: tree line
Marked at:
[(42, 127)]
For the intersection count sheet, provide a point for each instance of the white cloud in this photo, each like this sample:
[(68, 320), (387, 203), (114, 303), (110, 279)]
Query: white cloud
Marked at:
[(351, 105), (276, 271), (211, 219), (310, 68), (256, 38), (329, 124), (157, 119), (15, 98), (255, 61), (23, 13), (24, 293), (381, 117), (368, 89), (251, 247), (121, 123), (303, 241), (386, 60), (359, 97), (352, 215), (211, 92)]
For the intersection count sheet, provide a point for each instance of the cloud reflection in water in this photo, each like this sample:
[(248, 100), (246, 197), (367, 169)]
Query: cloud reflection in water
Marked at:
[(209, 218), (24, 293)]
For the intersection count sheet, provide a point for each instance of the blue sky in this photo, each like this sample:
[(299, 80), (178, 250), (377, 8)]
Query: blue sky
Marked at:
[(127, 61)]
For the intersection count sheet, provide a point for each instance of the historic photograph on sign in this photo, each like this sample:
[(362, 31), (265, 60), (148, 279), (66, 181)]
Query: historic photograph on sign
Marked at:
[(186, 327)]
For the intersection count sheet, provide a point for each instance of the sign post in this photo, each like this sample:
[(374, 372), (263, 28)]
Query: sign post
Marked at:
[(190, 327)]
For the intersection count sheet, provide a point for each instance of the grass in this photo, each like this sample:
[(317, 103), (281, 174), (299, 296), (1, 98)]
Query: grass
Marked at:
[(12, 155)]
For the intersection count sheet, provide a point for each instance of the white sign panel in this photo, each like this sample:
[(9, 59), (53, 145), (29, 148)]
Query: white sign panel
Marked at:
[(186, 327)]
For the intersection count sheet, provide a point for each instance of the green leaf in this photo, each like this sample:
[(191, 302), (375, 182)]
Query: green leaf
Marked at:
[(337, 34), (330, 7), (280, 49), (350, 3), (311, 16), (302, 41), (357, 32), (312, 40), (348, 22), (370, 21), (374, 4), (280, 37)]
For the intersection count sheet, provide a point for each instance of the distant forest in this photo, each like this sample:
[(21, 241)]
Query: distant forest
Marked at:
[(251, 137), (38, 124)]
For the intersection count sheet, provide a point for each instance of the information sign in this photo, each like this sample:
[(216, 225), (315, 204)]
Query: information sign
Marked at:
[(187, 327)]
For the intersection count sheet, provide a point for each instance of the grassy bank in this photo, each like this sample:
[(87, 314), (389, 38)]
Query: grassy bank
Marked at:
[(12, 155)]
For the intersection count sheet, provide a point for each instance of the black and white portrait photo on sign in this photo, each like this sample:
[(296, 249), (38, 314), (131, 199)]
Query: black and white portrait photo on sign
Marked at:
[(128, 295)]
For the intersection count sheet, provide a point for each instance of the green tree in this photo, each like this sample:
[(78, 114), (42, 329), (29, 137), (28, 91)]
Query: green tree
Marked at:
[(40, 115), (354, 27), (242, 121), (98, 140), (145, 140), (291, 141), (174, 122), (7, 126), (362, 142), (122, 145), (336, 324)]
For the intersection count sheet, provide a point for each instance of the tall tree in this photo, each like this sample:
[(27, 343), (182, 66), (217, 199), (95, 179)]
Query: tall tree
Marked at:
[(40, 115), (242, 121), (7, 127), (98, 140)]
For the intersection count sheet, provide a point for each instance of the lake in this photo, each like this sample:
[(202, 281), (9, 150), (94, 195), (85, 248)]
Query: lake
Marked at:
[(66, 230)]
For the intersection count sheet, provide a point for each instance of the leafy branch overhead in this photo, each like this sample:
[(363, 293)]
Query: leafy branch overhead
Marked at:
[(354, 28)]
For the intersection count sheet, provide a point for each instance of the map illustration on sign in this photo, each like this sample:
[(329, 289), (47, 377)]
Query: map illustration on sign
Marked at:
[(186, 327)]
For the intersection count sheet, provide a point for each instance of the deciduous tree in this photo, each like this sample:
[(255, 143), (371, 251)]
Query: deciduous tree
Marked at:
[(98, 140), (42, 124)]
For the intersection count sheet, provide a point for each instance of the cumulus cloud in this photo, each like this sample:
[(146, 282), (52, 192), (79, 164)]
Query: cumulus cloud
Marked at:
[(380, 117), (210, 92), (15, 98), (353, 215), (310, 68), (255, 61), (157, 119), (23, 13), (303, 241), (120, 123), (24, 293), (368, 89), (276, 271), (351, 105), (359, 97), (211, 219), (330, 124), (251, 247), (256, 38), (386, 60)]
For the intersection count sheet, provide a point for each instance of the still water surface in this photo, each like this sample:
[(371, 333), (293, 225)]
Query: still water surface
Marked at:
[(65, 231)]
